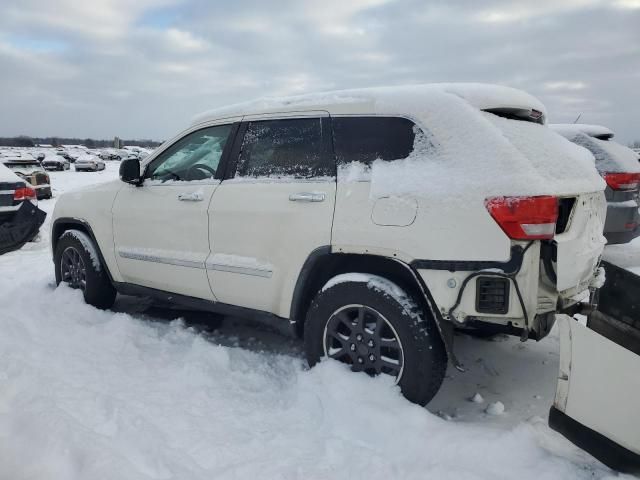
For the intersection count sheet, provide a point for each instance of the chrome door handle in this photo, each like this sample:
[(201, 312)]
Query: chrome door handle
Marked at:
[(191, 197), (307, 197)]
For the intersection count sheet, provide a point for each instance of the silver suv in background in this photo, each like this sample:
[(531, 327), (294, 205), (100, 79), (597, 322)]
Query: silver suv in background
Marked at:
[(620, 168)]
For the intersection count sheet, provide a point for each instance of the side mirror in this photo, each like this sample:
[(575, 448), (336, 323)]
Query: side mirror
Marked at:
[(130, 171)]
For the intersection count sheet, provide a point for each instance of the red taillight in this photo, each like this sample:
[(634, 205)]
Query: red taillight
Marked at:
[(525, 218), (622, 181), (24, 193)]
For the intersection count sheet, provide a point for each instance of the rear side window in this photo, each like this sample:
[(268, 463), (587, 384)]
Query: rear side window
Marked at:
[(366, 139), (285, 148)]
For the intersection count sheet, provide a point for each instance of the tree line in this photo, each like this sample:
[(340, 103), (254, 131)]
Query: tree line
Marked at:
[(25, 141)]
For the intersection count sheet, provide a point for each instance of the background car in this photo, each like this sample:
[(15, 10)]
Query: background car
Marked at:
[(29, 169), (55, 162), (20, 219), (89, 163), (620, 168)]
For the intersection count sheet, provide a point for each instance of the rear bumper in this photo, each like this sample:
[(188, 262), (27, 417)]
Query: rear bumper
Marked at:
[(621, 225), (607, 451), (18, 229), (43, 191)]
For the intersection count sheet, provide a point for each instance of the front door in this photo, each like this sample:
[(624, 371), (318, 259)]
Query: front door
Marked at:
[(277, 209), (161, 228)]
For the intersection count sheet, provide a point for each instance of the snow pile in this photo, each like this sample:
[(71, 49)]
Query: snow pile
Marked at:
[(477, 398), (495, 408), (91, 394)]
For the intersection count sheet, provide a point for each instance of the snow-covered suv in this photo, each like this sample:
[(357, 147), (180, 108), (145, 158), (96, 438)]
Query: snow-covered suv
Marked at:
[(370, 222)]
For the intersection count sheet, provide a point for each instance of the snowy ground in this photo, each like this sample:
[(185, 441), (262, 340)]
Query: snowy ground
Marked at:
[(137, 393)]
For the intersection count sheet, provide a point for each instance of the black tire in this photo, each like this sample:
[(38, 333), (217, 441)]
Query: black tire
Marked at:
[(424, 358), (93, 281)]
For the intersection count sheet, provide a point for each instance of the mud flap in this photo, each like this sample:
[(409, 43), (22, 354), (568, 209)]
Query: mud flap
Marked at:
[(21, 228), (596, 403)]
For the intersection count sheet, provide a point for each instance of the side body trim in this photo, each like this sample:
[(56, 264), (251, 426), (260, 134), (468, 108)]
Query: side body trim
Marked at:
[(145, 257), (510, 266)]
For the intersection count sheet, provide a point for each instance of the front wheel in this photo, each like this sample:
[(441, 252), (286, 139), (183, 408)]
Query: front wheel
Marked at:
[(377, 328), (78, 265)]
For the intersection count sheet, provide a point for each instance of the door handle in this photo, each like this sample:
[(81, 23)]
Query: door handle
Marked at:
[(191, 197), (307, 197)]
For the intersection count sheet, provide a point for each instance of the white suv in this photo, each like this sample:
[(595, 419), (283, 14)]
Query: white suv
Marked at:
[(370, 222)]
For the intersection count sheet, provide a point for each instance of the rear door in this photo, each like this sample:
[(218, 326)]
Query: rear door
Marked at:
[(273, 209), (161, 228)]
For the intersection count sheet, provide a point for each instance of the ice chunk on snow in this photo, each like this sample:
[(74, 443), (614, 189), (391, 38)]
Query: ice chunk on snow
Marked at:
[(495, 408), (477, 398)]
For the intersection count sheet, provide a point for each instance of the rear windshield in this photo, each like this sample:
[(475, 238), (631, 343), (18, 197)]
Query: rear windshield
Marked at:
[(610, 156), (22, 165)]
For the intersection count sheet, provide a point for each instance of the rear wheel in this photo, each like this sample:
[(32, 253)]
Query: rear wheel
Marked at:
[(78, 265), (377, 328)]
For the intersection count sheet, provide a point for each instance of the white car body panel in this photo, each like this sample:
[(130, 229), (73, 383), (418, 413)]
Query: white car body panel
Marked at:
[(257, 220), (599, 384), (161, 234)]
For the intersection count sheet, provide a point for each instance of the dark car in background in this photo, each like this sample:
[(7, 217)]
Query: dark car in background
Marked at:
[(619, 166), (55, 162), (30, 170)]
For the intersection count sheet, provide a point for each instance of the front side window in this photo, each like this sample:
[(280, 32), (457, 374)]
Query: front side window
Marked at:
[(285, 148), (366, 139), (193, 157)]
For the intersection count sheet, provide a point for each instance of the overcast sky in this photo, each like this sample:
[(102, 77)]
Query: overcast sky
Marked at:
[(144, 68)]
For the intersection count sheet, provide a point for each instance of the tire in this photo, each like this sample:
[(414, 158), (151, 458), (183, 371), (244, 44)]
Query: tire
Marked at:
[(89, 275), (423, 356)]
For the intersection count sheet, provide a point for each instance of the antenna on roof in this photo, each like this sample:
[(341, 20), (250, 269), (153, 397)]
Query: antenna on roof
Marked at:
[(578, 118)]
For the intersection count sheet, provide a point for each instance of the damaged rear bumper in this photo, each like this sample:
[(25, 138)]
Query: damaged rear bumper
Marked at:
[(21, 227), (598, 387)]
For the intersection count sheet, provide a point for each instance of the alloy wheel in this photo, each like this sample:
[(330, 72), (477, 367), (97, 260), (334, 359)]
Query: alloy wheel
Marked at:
[(363, 338), (72, 268)]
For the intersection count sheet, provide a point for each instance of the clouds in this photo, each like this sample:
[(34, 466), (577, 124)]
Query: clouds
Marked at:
[(144, 68)]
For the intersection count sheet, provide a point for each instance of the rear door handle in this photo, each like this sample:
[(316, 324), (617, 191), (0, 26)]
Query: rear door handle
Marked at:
[(191, 197), (307, 197)]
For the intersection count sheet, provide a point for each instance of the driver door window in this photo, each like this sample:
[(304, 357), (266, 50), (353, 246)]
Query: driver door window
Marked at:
[(194, 157)]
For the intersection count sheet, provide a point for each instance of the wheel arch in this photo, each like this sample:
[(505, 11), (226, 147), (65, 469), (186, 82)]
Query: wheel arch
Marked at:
[(62, 224), (323, 264)]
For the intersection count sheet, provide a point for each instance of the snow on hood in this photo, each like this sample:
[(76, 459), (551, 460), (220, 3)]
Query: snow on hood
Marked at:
[(6, 175), (482, 96)]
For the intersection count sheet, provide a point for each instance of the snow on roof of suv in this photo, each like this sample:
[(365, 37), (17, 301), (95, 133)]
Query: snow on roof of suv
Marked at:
[(471, 133), (479, 95)]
